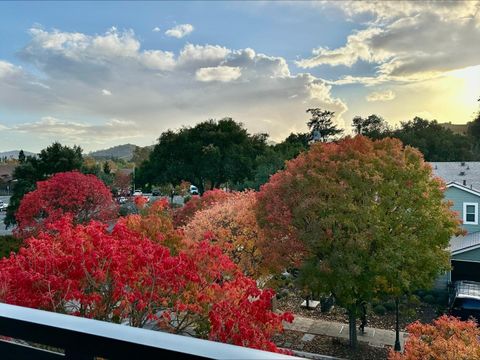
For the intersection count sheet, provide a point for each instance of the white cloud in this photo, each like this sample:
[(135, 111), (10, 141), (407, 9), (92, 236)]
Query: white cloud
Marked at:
[(73, 131), (408, 41), (156, 29), (179, 31), (218, 73), (106, 92), (386, 95), (8, 69), (155, 89)]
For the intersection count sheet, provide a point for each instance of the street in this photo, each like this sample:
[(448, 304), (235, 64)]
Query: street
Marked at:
[(6, 200)]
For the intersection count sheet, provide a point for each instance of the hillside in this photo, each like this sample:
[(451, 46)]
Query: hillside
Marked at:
[(124, 152), (13, 154)]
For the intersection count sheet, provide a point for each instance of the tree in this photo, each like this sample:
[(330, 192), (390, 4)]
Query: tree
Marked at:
[(83, 197), (321, 125), (434, 141), (106, 168), (364, 217), (447, 338), (21, 157), (207, 155), (141, 154), (183, 215), (372, 126), (124, 276), (232, 225), (273, 159), (122, 181), (55, 158)]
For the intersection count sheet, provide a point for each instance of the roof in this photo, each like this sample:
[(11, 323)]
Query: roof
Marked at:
[(467, 172), (460, 244), (464, 188)]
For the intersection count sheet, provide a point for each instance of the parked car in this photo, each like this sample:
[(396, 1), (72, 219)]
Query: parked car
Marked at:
[(137, 193), (465, 300), (122, 200), (3, 206), (193, 190)]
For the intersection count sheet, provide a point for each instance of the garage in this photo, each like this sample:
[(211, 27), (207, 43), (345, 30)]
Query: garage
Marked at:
[(465, 270)]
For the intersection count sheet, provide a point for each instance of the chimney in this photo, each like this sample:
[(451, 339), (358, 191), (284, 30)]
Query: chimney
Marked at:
[(464, 182)]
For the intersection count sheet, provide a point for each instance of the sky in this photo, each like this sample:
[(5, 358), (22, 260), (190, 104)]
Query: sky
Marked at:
[(99, 74)]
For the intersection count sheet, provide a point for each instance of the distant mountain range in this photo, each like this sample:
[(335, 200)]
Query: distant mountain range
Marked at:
[(124, 152), (13, 154)]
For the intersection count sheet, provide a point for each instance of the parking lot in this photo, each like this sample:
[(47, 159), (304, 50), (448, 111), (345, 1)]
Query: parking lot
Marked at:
[(5, 199)]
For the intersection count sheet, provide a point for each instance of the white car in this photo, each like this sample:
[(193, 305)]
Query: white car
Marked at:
[(193, 190), (137, 193), (3, 206)]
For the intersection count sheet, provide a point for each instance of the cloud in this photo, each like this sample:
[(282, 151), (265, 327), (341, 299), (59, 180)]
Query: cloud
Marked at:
[(156, 29), (106, 92), (72, 131), (218, 73), (407, 41), (386, 95), (179, 31), (154, 89)]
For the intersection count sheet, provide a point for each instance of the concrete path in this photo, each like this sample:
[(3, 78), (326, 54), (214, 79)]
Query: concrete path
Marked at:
[(372, 336)]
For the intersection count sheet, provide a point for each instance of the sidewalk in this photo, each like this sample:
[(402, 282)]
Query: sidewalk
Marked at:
[(372, 336)]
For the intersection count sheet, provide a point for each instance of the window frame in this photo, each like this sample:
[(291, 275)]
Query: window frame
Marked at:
[(475, 205)]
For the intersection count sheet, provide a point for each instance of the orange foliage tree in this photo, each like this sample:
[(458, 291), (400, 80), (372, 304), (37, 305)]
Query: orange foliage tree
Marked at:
[(361, 219), (183, 215), (447, 338), (232, 225)]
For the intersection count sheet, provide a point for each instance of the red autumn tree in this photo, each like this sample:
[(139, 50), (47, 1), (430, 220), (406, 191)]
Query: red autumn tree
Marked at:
[(123, 275), (232, 225), (447, 338), (83, 197), (184, 214)]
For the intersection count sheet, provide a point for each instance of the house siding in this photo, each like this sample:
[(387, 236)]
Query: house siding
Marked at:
[(458, 197), (472, 255)]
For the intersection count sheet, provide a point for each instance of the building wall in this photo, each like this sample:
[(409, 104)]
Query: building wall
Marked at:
[(458, 197), (472, 255)]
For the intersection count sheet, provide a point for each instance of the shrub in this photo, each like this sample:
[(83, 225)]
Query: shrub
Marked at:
[(8, 244), (429, 299), (389, 305), (380, 310)]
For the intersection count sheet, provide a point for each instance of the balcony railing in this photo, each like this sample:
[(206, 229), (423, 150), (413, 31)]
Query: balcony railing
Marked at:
[(71, 337)]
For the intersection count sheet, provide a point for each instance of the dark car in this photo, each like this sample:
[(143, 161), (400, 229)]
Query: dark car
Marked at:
[(465, 300)]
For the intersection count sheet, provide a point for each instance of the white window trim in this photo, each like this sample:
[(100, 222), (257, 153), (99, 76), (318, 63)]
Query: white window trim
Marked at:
[(465, 222)]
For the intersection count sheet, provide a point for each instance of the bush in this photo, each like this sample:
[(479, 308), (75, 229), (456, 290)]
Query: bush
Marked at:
[(389, 305), (380, 310), (8, 244), (414, 300), (429, 299)]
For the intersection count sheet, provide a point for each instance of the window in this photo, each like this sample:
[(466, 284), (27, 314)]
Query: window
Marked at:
[(470, 213)]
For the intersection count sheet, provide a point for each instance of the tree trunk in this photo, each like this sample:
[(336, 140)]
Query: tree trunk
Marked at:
[(352, 328), (397, 346)]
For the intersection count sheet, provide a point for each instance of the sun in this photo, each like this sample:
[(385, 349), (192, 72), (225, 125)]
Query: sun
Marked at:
[(468, 82)]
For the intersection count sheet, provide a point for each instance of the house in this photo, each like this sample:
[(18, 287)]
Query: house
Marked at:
[(463, 190), (465, 249)]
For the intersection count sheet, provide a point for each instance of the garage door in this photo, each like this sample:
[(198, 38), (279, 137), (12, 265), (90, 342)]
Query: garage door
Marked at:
[(465, 270)]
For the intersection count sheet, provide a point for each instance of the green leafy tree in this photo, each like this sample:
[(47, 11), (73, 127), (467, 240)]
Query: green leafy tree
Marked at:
[(207, 155), (360, 218), (321, 125), (21, 157), (141, 154), (106, 168), (51, 160), (373, 126), (434, 141)]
